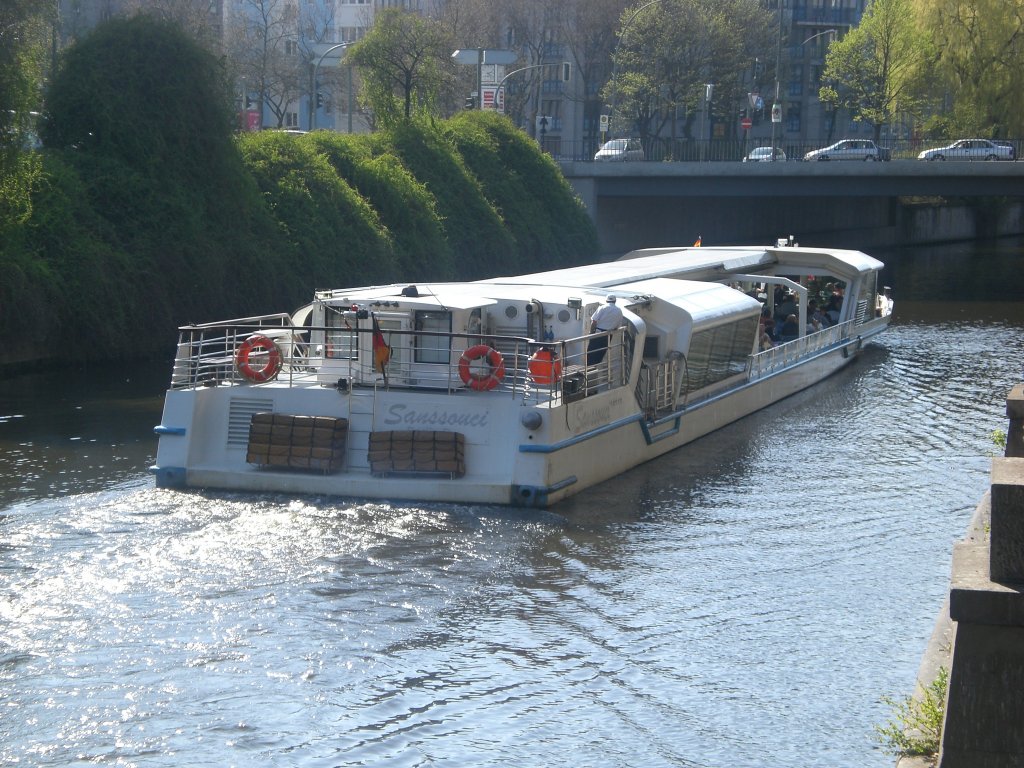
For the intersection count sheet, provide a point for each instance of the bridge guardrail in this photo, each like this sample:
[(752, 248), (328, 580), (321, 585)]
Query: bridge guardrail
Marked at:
[(734, 150)]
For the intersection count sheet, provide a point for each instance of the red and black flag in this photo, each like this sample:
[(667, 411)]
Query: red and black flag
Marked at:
[(381, 351)]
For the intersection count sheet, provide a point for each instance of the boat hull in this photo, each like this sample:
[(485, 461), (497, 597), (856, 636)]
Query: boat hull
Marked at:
[(197, 449)]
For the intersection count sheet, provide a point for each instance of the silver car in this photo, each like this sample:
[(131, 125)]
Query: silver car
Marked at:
[(764, 155), (849, 149), (969, 149), (620, 150)]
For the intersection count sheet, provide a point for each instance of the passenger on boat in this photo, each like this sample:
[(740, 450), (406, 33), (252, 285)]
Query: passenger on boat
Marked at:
[(883, 303), (607, 318), (788, 305), (767, 325), (834, 304), (790, 329), (816, 319)]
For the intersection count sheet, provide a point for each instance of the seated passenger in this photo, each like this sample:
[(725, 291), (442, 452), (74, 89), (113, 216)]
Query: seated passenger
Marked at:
[(767, 325), (790, 329), (788, 305)]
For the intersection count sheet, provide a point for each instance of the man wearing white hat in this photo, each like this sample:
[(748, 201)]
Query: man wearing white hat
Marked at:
[(607, 318)]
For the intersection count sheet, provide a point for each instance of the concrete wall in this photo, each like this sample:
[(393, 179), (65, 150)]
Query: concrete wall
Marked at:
[(667, 204), (627, 223), (984, 721)]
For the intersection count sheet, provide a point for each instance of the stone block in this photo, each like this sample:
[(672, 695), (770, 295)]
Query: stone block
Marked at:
[(1015, 413), (985, 701), (1007, 528)]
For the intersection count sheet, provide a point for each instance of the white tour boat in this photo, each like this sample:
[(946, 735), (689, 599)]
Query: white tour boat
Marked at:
[(484, 392)]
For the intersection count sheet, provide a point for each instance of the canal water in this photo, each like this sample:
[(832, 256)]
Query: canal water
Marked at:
[(745, 601)]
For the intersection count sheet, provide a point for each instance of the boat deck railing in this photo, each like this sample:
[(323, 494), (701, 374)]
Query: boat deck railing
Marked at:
[(783, 355), (207, 355), (661, 387)]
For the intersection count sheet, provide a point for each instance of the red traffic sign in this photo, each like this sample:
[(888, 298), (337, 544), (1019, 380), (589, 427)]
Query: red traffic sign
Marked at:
[(746, 123)]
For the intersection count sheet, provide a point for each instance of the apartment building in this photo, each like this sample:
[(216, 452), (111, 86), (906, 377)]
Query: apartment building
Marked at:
[(299, 41)]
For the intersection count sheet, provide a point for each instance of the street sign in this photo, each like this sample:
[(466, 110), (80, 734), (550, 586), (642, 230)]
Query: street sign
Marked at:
[(746, 123), (776, 113), (497, 56), (604, 122)]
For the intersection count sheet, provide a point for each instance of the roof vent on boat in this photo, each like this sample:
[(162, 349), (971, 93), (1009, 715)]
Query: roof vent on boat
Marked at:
[(410, 290)]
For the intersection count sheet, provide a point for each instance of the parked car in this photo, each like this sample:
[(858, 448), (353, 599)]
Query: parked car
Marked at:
[(1009, 145), (620, 150), (764, 155), (851, 149), (970, 149)]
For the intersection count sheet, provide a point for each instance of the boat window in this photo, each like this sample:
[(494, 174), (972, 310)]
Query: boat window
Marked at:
[(651, 346), (720, 352), (430, 348), (342, 339)]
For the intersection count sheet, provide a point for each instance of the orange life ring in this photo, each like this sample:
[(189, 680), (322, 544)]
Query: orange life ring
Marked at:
[(545, 367), (482, 381), (266, 369)]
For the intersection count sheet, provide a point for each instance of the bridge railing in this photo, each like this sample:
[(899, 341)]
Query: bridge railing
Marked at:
[(734, 150)]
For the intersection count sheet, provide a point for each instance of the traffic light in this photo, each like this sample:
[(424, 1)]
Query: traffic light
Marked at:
[(743, 114), (319, 99), (470, 102)]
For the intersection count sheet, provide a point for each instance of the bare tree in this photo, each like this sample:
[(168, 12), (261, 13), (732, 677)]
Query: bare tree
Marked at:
[(200, 19), (263, 46)]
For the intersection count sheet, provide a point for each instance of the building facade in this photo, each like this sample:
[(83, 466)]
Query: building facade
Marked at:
[(290, 72)]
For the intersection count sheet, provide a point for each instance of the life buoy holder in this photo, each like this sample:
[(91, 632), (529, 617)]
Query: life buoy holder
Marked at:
[(480, 380), (263, 370)]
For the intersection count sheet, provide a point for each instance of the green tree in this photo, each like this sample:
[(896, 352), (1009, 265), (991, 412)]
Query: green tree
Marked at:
[(25, 29), (405, 61), (878, 69), (140, 111), (979, 48), (668, 51)]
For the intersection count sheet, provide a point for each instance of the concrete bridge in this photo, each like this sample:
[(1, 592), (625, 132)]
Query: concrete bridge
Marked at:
[(857, 204)]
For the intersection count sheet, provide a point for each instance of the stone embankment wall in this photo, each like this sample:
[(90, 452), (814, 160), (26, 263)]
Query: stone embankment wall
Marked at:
[(981, 639), (921, 224)]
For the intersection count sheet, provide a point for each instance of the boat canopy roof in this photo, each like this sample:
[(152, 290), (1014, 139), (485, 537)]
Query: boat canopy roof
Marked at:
[(421, 296), (705, 303), (683, 276), (704, 264)]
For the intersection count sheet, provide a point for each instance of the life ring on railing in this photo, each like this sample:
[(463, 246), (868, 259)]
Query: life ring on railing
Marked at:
[(263, 370), (482, 381)]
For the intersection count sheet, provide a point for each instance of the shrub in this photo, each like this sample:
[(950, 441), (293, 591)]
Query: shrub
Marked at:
[(475, 232), (404, 206), (916, 727), (550, 225), (333, 237)]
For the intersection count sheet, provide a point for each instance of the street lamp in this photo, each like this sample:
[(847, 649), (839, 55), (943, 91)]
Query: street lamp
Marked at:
[(830, 32), (615, 50), (479, 57), (831, 38), (313, 87), (566, 76), (776, 107)]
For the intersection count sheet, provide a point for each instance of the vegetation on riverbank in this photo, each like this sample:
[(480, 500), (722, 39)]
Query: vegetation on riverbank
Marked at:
[(146, 212), (916, 725)]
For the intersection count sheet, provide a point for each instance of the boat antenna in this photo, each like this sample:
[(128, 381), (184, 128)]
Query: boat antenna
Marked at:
[(430, 292)]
